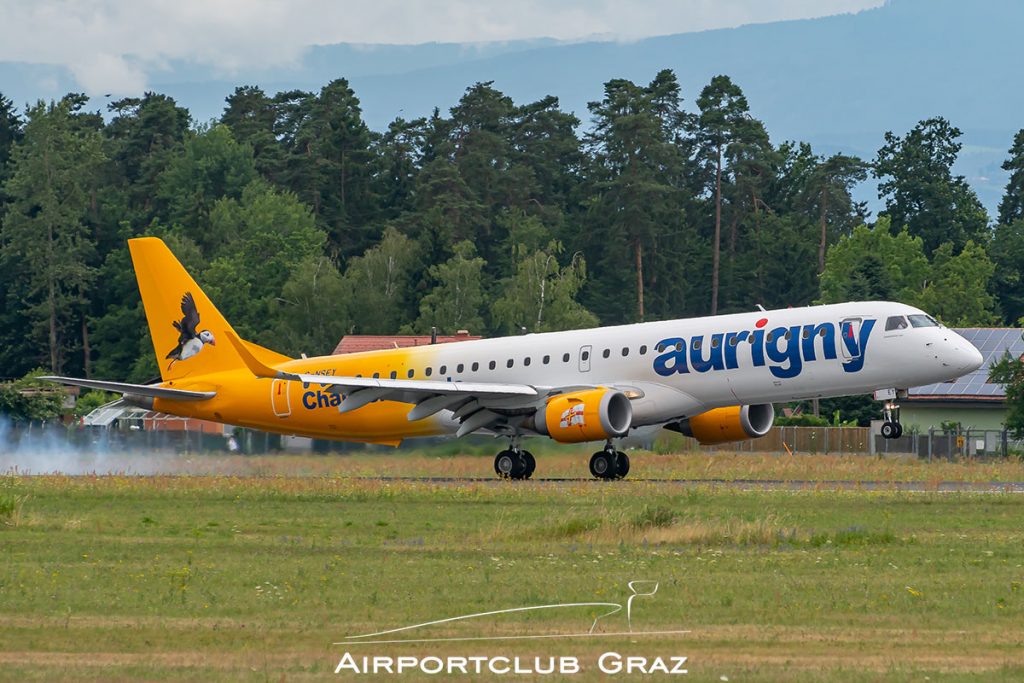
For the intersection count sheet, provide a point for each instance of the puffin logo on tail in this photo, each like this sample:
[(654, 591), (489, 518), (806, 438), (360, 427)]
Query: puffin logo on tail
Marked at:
[(190, 341)]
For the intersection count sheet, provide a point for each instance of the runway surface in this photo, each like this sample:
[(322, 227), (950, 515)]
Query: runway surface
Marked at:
[(742, 484)]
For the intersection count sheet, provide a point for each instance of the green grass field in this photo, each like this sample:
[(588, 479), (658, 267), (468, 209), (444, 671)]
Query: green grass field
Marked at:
[(222, 577)]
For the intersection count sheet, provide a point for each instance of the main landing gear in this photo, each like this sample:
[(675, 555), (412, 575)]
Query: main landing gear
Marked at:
[(609, 463), (514, 463), (891, 427)]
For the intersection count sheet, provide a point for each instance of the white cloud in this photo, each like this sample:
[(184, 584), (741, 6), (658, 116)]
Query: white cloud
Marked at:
[(111, 46)]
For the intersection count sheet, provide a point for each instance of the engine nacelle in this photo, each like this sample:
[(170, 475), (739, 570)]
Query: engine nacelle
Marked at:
[(590, 415), (732, 423)]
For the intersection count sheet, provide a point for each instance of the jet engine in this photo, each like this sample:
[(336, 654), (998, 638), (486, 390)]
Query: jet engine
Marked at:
[(732, 423), (589, 415)]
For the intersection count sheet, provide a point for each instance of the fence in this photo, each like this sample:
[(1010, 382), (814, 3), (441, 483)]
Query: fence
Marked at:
[(930, 445), (948, 444)]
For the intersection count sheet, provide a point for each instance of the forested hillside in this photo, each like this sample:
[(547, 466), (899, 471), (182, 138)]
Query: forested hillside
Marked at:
[(496, 216)]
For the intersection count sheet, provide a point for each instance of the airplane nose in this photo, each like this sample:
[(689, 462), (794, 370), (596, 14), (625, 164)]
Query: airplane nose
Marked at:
[(969, 358)]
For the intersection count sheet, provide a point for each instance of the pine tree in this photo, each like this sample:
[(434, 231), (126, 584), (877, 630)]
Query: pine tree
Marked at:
[(45, 245)]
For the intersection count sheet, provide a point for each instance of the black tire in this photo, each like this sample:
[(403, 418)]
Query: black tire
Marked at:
[(531, 464), (505, 464), (621, 465), (888, 430), (601, 465), (899, 430)]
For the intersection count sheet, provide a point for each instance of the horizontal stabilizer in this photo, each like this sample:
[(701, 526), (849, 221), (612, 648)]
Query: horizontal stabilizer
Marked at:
[(152, 391)]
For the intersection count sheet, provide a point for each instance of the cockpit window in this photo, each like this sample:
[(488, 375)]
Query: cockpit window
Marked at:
[(895, 322), (923, 321)]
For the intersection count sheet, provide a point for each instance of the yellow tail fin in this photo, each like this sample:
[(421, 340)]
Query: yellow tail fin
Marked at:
[(189, 333)]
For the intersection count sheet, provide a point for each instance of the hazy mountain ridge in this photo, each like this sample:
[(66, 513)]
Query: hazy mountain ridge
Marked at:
[(837, 82)]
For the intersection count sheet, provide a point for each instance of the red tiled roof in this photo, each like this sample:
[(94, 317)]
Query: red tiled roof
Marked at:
[(356, 343)]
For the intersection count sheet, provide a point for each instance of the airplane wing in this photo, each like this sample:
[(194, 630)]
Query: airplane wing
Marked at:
[(477, 405), (148, 390)]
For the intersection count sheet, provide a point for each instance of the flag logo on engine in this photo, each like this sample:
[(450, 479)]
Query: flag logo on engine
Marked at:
[(572, 417)]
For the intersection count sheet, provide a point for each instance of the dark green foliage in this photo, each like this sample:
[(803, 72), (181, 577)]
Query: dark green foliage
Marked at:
[(920, 190), (304, 225), (1011, 208), (29, 399), (1009, 371), (1007, 281)]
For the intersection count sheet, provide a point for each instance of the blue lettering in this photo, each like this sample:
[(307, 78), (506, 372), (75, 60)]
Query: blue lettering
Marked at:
[(785, 360), (335, 399), (322, 400), (791, 353), (732, 340), (675, 352), (714, 360), (757, 348), (307, 400), (828, 341)]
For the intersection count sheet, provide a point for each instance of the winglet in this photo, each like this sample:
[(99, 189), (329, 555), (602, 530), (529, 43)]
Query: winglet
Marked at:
[(255, 365)]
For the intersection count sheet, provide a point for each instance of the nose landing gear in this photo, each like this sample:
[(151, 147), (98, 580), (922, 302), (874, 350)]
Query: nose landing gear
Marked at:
[(891, 427)]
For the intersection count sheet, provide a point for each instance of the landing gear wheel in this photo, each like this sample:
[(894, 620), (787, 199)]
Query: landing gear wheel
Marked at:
[(505, 464), (530, 462), (513, 465), (891, 428), (602, 465), (621, 465)]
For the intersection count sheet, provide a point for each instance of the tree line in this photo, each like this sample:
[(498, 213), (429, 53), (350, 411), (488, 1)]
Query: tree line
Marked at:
[(304, 225)]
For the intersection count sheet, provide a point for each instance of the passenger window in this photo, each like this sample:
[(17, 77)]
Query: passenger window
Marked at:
[(459, 368), (733, 341), (443, 370), (547, 359), (411, 372), (659, 348), (679, 346), (770, 337), (565, 358), (715, 341), (788, 335), (607, 352), (585, 355), (509, 363), (807, 333), (643, 350), (429, 371), (696, 344), (475, 366), (394, 374), (895, 322), (625, 351), (376, 375), (526, 361), (492, 365)]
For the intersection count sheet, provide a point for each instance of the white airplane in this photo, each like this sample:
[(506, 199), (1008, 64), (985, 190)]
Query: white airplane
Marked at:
[(713, 378)]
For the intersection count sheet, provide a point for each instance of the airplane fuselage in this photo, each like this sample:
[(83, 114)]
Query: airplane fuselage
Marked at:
[(671, 369)]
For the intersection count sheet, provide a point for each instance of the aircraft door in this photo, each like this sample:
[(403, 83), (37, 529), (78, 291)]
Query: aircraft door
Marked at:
[(280, 398), (585, 352), (849, 331)]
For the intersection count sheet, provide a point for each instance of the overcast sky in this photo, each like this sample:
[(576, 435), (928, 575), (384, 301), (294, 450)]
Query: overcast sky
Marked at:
[(112, 45)]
